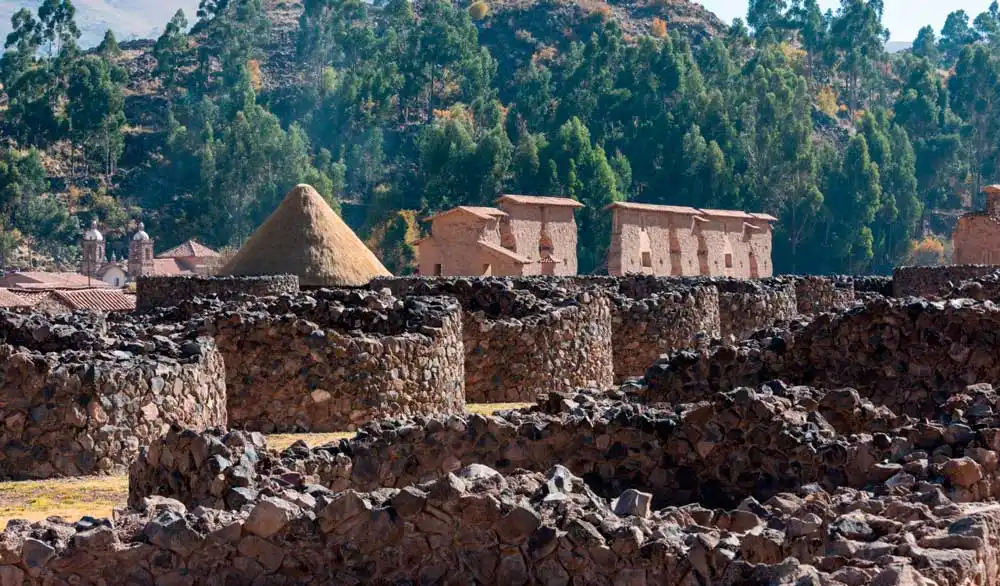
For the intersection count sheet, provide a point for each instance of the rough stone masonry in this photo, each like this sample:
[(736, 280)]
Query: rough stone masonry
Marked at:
[(86, 403)]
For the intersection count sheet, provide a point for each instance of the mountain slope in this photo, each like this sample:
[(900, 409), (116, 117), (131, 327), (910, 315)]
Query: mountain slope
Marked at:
[(128, 18)]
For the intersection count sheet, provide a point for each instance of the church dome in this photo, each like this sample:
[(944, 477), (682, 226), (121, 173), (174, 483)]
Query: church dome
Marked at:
[(93, 235), (141, 234)]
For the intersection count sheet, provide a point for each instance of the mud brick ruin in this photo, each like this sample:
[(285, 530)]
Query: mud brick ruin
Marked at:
[(787, 431)]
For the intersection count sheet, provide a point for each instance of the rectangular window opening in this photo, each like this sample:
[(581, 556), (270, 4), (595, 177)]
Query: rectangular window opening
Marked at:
[(647, 259), (437, 270)]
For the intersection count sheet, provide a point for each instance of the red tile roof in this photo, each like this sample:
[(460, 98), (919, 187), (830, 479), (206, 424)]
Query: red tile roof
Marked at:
[(10, 299), (191, 248), (31, 296), (97, 299), (168, 267), (45, 280), (540, 200)]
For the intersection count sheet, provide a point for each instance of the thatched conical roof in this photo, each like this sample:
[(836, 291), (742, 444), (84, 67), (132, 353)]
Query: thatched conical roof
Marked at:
[(305, 237)]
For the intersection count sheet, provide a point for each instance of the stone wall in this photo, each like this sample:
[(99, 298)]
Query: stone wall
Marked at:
[(814, 295), (907, 355), (739, 484), (934, 281), (978, 288), (333, 360), (643, 329), (154, 292), (87, 412), (748, 306), (519, 342)]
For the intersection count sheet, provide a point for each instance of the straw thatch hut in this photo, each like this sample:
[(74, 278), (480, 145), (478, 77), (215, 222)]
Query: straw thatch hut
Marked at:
[(305, 237)]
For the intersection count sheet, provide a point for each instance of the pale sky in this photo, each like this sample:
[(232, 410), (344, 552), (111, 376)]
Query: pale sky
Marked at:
[(903, 18)]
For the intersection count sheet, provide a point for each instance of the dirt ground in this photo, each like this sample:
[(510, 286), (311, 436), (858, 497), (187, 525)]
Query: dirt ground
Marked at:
[(98, 496)]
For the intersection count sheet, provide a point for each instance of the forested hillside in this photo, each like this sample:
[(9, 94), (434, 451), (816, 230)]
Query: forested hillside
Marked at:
[(395, 110)]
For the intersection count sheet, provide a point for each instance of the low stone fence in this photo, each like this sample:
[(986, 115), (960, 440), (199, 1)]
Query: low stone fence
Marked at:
[(475, 525), (748, 306), (519, 344), (934, 281), (814, 295), (986, 287), (718, 453), (55, 333), (156, 292), (908, 355), (84, 412), (333, 360), (826, 477), (646, 328)]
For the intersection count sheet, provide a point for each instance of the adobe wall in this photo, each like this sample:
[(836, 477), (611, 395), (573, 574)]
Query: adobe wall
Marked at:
[(976, 240), (910, 356), (673, 243), (333, 360), (526, 226), (80, 412), (155, 292), (517, 344), (933, 281)]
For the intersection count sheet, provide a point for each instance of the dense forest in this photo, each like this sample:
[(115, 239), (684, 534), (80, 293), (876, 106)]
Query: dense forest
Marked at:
[(397, 109)]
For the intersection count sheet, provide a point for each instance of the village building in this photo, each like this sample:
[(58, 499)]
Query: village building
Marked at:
[(525, 235), (306, 238), (977, 234), (189, 258), (664, 240)]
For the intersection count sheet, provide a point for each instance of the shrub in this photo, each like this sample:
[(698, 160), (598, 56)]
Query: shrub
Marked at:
[(826, 101), (927, 252), (479, 10), (659, 28)]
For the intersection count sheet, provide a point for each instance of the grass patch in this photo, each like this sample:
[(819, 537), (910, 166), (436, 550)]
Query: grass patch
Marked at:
[(281, 441), (491, 408), (97, 496), (70, 498)]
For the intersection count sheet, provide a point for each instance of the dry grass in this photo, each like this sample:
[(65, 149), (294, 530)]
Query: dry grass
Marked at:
[(282, 441), (97, 496), (70, 498)]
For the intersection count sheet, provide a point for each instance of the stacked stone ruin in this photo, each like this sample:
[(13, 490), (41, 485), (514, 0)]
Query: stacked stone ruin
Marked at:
[(789, 431), (80, 395), (519, 343)]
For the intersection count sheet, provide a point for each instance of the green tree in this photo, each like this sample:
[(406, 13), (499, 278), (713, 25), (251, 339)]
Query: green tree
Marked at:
[(96, 110), (973, 90), (766, 14), (956, 35), (853, 198), (58, 25), (109, 48), (925, 45), (172, 50)]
